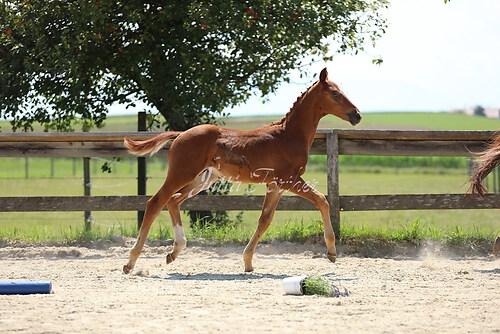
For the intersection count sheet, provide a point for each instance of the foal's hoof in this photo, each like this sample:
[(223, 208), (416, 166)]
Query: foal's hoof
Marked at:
[(170, 258), (331, 257), (249, 270), (126, 269)]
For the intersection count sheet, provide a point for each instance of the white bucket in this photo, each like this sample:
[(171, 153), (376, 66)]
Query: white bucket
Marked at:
[(293, 285)]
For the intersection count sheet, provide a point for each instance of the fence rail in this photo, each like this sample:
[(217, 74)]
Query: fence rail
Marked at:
[(330, 142), (351, 142), (228, 202)]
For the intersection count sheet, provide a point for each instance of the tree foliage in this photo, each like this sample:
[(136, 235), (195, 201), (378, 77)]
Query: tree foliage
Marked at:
[(66, 60)]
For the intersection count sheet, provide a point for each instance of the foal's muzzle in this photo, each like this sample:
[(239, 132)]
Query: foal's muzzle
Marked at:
[(354, 116)]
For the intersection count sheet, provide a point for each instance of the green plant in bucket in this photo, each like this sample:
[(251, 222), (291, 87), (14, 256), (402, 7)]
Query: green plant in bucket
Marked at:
[(318, 285)]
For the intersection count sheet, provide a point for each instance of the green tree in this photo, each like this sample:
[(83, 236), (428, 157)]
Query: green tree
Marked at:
[(479, 111), (66, 60)]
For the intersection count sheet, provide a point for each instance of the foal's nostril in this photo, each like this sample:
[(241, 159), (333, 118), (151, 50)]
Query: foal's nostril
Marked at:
[(354, 116), (358, 114)]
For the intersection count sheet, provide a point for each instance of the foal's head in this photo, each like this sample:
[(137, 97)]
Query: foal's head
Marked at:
[(332, 101)]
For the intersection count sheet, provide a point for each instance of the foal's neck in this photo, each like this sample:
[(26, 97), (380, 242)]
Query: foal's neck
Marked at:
[(303, 119)]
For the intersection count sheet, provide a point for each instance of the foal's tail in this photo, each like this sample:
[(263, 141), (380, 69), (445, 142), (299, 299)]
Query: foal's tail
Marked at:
[(149, 146), (489, 159)]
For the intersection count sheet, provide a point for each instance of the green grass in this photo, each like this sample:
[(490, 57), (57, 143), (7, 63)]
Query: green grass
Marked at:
[(371, 120), (427, 120), (385, 120), (317, 285), (365, 241)]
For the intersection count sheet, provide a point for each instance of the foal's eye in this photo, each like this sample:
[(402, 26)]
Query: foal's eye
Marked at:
[(335, 94)]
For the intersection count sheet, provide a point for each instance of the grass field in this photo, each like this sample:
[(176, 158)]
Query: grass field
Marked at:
[(371, 120), (386, 120), (64, 177)]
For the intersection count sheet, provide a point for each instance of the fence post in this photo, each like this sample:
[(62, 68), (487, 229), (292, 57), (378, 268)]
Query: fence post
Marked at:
[(86, 190), (141, 167), (332, 162)]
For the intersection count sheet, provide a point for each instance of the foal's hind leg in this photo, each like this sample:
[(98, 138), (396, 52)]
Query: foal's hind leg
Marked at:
[(202, 182), (302, 189), (153, 208), (271, 201)]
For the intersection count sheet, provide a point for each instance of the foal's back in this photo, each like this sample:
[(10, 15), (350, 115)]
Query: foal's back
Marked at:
[(249, 156)]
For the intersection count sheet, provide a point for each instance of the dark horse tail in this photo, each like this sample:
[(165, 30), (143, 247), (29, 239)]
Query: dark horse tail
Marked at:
[(149, 146), (489, 159)]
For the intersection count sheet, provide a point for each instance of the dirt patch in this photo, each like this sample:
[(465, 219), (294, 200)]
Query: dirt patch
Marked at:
[(379, 247), (205, 290)]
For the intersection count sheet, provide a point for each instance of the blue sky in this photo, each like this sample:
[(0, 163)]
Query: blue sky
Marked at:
[(436, 57)]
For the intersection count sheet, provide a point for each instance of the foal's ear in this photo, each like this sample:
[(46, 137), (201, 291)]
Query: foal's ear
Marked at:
[(323, 76)]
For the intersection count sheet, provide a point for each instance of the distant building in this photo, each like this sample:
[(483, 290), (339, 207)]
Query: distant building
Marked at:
[(492, 112), (486, 112)]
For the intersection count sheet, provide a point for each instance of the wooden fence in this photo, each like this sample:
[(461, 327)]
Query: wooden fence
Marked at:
[(330, 142)]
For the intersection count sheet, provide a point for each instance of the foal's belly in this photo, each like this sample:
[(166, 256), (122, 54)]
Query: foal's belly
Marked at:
[(257, 175), (256, 164)]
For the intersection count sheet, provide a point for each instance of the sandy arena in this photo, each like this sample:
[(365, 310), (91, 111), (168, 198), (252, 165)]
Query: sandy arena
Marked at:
[(206, 291)]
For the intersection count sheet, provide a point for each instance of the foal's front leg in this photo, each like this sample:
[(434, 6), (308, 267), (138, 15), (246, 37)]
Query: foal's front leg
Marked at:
[(302, 189), (271, 201)]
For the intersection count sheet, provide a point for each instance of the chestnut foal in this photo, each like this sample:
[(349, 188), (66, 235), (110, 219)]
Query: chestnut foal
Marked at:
[(274, 155)]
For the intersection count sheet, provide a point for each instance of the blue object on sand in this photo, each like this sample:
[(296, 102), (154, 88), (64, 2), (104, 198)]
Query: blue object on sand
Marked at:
[(24, 287)]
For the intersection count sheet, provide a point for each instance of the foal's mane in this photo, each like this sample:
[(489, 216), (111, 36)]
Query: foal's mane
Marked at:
[(292, 109)]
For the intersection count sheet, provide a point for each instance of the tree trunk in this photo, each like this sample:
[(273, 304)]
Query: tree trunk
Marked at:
[(174, 118)]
